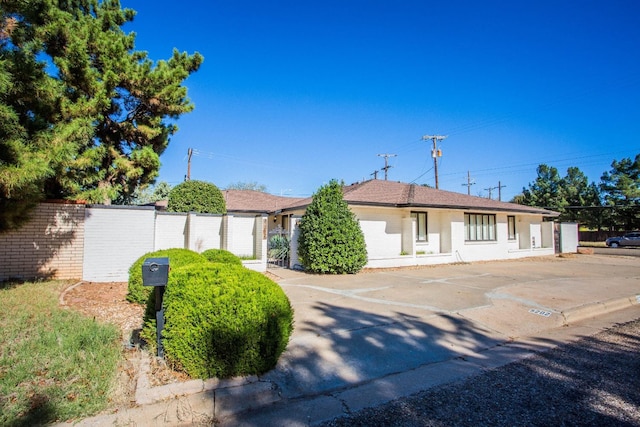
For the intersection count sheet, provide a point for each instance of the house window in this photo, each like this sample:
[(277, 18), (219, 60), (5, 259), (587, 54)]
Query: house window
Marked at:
[(511, 224), (421, 225), (479, 227)]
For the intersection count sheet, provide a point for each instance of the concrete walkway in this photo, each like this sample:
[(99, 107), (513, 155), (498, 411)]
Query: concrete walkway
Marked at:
[(362, 340)]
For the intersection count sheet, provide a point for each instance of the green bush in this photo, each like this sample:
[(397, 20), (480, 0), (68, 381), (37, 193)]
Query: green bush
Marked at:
[(196, 196), (331, 240), (222, 320), (220, 255), (177, 258)]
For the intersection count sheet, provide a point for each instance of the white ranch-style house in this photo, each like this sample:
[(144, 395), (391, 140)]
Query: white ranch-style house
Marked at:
[(403, 225), (408, 224)]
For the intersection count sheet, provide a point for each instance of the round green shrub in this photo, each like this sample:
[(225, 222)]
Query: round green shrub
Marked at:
[(196, 196), (222, 320), (138, 293), (222, 256), (331, 240)]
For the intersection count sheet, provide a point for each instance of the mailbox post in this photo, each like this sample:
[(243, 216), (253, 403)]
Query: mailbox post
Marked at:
[(155, 272)]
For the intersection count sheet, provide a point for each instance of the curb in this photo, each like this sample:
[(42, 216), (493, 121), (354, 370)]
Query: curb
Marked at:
[(595, 309)]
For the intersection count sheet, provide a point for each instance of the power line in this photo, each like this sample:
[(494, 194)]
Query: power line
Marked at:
[(423, 174)]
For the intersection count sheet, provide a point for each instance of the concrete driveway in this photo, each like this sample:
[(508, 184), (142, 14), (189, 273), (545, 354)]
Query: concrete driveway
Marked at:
[(353, 329)]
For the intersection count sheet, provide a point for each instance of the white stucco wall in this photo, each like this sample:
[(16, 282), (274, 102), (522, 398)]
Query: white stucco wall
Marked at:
[(205, 232), (170, 230), (115, 237), (242, 234), (569, 237), (382, 229)]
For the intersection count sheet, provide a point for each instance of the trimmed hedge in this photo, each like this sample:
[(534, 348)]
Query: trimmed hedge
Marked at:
[(222, 256), (177, 258), (222, 320), (196, 196)]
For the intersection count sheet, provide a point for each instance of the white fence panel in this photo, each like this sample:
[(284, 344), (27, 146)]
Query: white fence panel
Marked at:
[(115, 237), (170, 230)]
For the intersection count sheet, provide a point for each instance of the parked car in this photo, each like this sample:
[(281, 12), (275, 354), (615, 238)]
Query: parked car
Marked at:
[(629, 239)]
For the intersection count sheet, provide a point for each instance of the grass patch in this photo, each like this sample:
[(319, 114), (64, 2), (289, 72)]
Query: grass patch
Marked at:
[(55, 364)]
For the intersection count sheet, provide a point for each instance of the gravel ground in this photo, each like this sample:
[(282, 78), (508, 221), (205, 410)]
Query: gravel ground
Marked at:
[(595, 382)]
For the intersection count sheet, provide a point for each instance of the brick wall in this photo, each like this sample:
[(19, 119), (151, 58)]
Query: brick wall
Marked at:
[(50, 245)]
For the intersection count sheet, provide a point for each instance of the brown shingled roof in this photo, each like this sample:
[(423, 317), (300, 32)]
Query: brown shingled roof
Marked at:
[(377, 192), (398, 194), (255, 201)]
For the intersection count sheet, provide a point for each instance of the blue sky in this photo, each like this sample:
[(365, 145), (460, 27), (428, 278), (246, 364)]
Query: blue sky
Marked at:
[(292, 94)]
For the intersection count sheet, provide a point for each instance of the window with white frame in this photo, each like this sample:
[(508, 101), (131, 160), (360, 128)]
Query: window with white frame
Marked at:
[(421, 225), (511, 225), (479, 227)]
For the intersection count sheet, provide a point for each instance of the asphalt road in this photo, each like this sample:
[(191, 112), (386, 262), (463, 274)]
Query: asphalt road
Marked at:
[(594, 381)]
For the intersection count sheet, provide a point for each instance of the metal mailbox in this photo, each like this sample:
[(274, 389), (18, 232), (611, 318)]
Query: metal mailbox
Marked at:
[(155, 272)]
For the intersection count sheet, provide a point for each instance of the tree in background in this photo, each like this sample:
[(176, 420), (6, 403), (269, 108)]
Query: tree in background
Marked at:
[(151, 194), (83, 115), (247, 186), (572, 195), (621, 189), (613, 204), (196, 196), (582, 198), (331, 240), (546, 191)]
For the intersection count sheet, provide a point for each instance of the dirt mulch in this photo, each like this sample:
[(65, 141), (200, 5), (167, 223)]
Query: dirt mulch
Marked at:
[(105, 302)]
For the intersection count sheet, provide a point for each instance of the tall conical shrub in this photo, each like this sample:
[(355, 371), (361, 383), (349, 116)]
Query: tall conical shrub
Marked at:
[(331, 240)]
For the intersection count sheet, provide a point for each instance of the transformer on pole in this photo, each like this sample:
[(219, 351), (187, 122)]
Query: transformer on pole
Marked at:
[(435, 152)]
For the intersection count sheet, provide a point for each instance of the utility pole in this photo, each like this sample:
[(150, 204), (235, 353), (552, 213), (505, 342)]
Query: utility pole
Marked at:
[(375, 174), (490, 189), (469, 183), (386, 165), (435, 152), (189, 154), (500, 190)]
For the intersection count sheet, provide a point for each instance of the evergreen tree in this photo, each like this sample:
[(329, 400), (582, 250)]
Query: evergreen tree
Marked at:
[(29, 104), (157, 192), (546, 191), (572, 196), (621, 191), (331, 240), (84, 115), (583, 199)]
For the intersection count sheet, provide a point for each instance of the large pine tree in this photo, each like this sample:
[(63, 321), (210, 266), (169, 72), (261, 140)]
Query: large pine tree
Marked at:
[(82, 114)]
